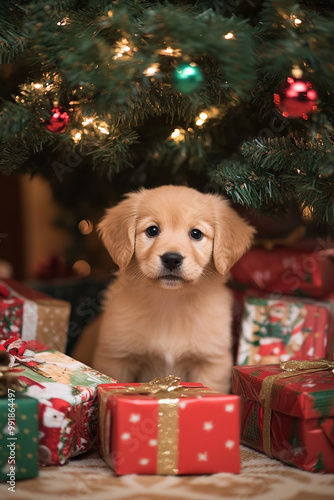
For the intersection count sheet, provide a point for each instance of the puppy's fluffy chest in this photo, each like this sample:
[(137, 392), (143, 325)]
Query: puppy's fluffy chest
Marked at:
[(171, 321)]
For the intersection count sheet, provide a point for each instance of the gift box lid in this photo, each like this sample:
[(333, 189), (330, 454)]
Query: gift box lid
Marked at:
[(303, 395)]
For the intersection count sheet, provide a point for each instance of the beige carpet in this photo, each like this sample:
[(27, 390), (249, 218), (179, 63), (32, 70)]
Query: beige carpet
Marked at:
[(89, 478)]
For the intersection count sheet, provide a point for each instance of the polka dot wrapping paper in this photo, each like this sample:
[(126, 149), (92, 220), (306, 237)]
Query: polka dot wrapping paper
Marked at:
[(194, 431), (33, 315), (18, 438)]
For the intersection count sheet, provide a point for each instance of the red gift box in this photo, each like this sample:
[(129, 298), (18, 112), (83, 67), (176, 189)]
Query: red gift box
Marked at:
[(278, 329), (286, 271), (190, 430), (288, 414), (32, 315)]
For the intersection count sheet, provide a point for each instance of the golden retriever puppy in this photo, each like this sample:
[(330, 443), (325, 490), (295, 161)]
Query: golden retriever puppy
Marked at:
[(168, 311)]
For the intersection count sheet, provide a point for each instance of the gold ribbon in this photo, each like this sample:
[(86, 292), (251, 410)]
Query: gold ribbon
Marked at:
[(168, 391), (8, 377), (291, 368)]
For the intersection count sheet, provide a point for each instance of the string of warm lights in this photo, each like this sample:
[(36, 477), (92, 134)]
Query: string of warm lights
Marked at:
[(179, 133)]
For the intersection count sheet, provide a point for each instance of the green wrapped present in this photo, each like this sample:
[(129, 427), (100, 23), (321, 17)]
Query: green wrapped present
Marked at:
[(18, 437)]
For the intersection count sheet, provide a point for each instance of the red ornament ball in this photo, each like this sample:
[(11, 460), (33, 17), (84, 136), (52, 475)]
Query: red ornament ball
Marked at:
[(296, 98), (58, 121)]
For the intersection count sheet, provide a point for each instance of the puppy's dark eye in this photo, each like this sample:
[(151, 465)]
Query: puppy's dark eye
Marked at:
[(152, 231), (196, 234)]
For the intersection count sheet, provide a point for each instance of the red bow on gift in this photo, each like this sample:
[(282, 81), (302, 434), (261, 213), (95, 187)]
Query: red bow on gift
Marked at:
[(16, 348), (19, 352)]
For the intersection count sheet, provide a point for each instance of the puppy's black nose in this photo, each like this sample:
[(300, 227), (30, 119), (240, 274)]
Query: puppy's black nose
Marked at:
[(171, 260)]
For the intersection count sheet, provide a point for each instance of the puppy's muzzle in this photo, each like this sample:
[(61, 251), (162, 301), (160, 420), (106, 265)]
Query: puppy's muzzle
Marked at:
[(171, 260)]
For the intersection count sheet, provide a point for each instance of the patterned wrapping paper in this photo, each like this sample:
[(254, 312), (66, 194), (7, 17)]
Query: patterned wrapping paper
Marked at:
[(278, 329), (67, 393), (283, 270), (33, 315), (18, 448), (301, 409), (192, 431)]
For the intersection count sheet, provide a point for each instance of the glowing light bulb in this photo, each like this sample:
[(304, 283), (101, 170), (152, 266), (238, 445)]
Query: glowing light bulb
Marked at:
[(64, 21), (87, 121), (199, 122), (103, 127), (151, 70), (169, 51), (203, 116), (178, 135), (229, 36)]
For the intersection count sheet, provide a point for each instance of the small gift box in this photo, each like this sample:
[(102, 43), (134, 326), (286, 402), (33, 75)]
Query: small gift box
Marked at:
[(67, 394), (307, 271), (33, 315), (287, 411), (167, 427), (18, 428), (278, 329)]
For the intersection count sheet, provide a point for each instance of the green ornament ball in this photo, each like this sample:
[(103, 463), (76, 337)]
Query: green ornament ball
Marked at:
[(187, 78)]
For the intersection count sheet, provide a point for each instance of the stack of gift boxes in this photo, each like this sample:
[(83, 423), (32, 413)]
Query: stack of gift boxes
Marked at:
[(143, 428), (52, 407), (284, 353)]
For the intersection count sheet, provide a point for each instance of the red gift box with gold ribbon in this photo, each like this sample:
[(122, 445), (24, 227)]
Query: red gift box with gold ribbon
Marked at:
[(287, 411), (167, 427)]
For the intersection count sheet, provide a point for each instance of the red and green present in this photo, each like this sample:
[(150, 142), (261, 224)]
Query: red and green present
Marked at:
[(167, 427), (287, 411), (33, 315), (66, 390), (307, 272), (274, 330)]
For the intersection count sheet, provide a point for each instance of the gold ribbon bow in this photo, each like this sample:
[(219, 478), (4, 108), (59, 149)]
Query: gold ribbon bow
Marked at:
[(169, 384), (168, 391), (290, 368), (8, 377)]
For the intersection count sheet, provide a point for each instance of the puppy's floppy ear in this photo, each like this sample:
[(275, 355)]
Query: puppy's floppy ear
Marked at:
[(117, 230), (233, 236)]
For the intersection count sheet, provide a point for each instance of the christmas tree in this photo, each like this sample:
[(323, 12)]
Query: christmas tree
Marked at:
[(232, 96)]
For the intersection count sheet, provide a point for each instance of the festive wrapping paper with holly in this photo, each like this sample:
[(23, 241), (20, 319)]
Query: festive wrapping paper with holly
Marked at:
[(278, 329), (67, 393), (153, 429), (286, 271), (18, 437), (289, 418), (33, 315)]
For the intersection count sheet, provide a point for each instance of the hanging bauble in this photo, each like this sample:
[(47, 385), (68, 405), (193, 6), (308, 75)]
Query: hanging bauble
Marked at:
[(187, 78), (58, 121), (296, 98)]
